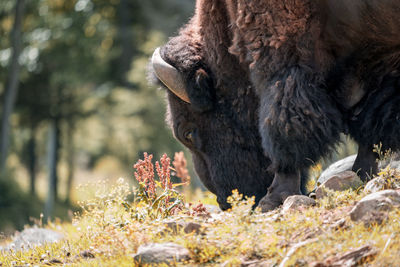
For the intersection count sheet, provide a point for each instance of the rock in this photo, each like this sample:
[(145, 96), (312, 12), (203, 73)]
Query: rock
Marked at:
[(166, 253), (375, 185), (339, 166), (394, 165), (32, 237), (372, 207), (188, 227), (352, 258), (393, 161), (339, 182), (294, 202), (388, 179), (346, 164), (192, 227)]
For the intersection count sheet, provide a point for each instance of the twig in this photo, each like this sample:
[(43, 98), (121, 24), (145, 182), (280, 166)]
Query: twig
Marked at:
[(294, 249), (387, 243)]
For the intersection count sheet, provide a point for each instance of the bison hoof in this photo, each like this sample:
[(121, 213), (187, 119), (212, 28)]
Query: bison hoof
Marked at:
[(273, 200), (269, 202), (283, 186)]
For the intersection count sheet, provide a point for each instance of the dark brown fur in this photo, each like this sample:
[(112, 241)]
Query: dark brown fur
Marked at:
[(273, 83)]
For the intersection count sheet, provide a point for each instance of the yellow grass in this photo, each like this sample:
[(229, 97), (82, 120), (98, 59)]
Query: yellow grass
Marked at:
[(109, 231)]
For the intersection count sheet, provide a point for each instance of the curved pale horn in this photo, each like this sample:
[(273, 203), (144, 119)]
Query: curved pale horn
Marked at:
[(169, 76)]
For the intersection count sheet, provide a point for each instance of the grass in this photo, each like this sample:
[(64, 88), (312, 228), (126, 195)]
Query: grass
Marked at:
[(109, 231)]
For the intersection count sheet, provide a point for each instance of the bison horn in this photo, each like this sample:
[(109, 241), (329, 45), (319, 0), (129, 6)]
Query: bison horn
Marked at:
[(169, 76)]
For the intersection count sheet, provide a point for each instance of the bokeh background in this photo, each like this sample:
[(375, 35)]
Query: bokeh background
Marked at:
[(76, 107)]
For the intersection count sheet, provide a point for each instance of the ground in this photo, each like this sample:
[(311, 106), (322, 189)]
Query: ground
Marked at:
[(115, 224)]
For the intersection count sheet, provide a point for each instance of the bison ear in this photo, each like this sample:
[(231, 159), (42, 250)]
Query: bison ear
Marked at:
[(201, 91)]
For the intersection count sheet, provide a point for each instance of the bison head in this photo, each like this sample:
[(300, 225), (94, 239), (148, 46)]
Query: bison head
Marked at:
[(212, 110)]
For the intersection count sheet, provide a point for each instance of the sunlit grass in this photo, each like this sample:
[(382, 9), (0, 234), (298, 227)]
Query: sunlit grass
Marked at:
[(111, 232)]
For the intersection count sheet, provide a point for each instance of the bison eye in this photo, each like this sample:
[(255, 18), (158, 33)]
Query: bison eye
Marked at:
[(188, 135)]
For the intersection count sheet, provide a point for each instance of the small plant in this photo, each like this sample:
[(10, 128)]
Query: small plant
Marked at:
[(180, 166), (383, 155), (107, 233), (198, 210), (314, 173), (390, 178), (158, 198), (241, 206)]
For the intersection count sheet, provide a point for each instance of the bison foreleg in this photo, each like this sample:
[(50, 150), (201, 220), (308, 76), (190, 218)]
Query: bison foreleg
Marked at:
[(299, 124), (283, 186), (366, 164)]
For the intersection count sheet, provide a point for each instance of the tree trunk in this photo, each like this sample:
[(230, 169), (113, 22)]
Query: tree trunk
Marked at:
[(52, 163), (32, 159), (53, 158), (125, 39), (57, 143), (70, 160), (11, 89)]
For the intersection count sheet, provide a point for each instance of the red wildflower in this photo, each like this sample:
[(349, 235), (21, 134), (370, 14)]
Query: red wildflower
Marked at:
[(198, 210), (163, 171), (180, 166), (144, 174)]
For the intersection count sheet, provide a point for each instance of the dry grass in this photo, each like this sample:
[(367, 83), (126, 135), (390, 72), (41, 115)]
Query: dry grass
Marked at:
[(111, 232)]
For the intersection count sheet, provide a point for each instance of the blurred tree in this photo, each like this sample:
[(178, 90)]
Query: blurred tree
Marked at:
[(83, 83), (70, 147), (125, 40), (11, 88), (52, 162), (33, 109)]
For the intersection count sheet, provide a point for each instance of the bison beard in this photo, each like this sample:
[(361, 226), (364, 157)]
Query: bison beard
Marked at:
[(268, 86)]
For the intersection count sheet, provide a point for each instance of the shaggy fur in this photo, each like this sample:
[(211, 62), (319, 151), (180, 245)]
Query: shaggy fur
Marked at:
[(225, 142), (299, 122), (272, 84)]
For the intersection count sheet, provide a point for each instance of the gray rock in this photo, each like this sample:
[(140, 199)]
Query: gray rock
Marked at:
[(192, 227), (373, 205), (346, 164), (294, 202), (349, 259), (339, 166), (395, 164), (166, 253), (393, 161), (375, 185), (339, 182), (33, 237)]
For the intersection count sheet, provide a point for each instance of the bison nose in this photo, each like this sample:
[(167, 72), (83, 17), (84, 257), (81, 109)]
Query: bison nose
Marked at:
[(223, 204)]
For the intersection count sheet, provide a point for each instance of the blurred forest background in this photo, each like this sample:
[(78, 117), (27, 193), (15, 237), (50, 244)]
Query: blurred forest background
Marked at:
[(75, 104)]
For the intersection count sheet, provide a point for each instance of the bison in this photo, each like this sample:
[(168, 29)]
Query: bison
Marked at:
[(261, 90)]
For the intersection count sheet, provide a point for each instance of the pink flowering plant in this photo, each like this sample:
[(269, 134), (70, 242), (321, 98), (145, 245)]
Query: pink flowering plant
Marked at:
[(158, 198)]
